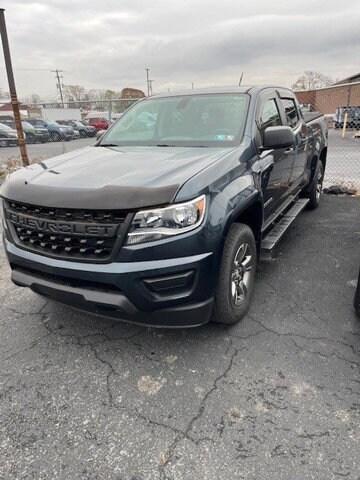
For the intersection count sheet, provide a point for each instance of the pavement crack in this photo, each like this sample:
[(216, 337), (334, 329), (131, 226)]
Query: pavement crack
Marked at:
[(111, 372), (187, 432), (304, 337), (324, 355)]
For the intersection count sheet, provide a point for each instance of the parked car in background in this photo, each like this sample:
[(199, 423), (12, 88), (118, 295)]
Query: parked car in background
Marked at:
[(56, 131), (98, 123), (78, 126), (32, 134), (353, 117), (35, 134), (8, 136)]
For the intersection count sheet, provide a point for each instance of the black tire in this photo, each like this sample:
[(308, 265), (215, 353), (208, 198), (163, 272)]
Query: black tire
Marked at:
[(55, 137), (357, 298), (230, 307), (314, 194), (82, 133)]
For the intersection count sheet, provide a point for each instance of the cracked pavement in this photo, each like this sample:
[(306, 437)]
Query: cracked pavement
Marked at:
[(276, 397)]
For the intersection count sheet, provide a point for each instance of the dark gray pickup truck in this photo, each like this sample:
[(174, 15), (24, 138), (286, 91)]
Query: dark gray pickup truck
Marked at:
[(162, 221)]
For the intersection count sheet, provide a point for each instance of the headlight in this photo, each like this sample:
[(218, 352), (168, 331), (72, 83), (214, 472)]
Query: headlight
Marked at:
[(150, 225)]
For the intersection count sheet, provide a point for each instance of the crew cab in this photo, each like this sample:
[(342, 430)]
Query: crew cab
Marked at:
[(162, 221)]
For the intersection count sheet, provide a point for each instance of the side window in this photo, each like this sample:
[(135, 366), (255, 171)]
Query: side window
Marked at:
[(291, 112), (269, 116)]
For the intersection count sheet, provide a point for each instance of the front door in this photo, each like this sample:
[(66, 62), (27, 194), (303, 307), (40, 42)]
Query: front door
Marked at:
[(276, 164), (295, 121)]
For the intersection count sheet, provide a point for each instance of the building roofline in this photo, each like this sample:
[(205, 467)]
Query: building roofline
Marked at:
[(328, 87)]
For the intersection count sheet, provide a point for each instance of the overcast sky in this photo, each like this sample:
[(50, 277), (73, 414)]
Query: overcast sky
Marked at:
[(108, 43)]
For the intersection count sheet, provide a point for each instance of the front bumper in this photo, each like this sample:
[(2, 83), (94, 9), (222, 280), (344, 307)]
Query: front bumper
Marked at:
[(66, 135), (10, 142), (175, 292), (42, 137)]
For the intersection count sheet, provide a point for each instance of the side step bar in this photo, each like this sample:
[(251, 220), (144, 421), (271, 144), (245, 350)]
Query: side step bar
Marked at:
[(274, 235)]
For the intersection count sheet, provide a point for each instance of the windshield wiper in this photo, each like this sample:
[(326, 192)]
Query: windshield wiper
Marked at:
[(108, 145), (186, 146)]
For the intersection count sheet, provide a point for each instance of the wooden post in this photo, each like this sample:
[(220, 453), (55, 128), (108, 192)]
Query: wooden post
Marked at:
[(345, 124), (12, 89)]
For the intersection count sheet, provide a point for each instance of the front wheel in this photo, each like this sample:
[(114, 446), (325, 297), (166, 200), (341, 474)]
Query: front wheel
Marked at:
[(316, 188), (55, 137), (237, 275)]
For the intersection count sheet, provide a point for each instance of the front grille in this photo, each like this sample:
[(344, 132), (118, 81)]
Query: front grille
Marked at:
[(65, 233)]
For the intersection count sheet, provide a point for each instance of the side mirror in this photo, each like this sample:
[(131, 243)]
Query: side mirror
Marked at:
[(278, 137)]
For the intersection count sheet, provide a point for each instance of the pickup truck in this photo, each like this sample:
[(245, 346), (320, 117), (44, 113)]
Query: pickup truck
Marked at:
[(163, 220)]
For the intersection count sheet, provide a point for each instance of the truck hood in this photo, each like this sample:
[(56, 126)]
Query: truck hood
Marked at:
[(110, 178)]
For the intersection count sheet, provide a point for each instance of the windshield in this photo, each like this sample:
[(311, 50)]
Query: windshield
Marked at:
[(190, 120), (37, 123), (5, 127)]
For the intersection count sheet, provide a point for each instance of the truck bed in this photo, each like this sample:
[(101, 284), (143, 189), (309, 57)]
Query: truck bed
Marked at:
[(311, 116)]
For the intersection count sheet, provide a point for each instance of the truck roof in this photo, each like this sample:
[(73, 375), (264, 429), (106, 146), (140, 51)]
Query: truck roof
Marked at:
[(251, 89)]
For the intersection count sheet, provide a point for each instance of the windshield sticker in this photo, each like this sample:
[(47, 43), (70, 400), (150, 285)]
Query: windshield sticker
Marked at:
[(224, 138)]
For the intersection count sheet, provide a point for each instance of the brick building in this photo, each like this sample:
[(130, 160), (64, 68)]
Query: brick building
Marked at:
[(327, 99)]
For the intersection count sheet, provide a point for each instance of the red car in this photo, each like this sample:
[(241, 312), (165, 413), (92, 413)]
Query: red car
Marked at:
[(99, 123)]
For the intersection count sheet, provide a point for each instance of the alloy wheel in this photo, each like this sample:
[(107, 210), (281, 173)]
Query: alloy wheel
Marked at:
[(240, 274)]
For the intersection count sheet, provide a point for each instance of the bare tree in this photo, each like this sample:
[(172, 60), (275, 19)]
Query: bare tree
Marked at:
[(311, 80), (74, 93), (32, 99)]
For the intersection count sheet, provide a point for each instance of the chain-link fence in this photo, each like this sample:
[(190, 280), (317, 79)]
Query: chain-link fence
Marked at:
[(343, 162), (84, 119)]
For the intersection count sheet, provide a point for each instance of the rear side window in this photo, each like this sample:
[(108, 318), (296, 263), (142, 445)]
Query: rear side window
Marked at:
[(269, 116), (291, 112)]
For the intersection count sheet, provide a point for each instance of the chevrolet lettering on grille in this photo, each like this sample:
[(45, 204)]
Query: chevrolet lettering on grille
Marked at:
[(60, 227)]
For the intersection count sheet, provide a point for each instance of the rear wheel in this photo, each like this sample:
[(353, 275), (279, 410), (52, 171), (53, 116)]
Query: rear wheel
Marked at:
[(316, 188), (237, 275)]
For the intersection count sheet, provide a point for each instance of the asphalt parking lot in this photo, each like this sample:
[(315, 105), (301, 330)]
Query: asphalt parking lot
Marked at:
[(276, 397)]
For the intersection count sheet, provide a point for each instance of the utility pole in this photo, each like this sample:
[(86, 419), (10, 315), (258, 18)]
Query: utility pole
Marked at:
[(192, 85), (59, 84), (12, 89), (147, 81)]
